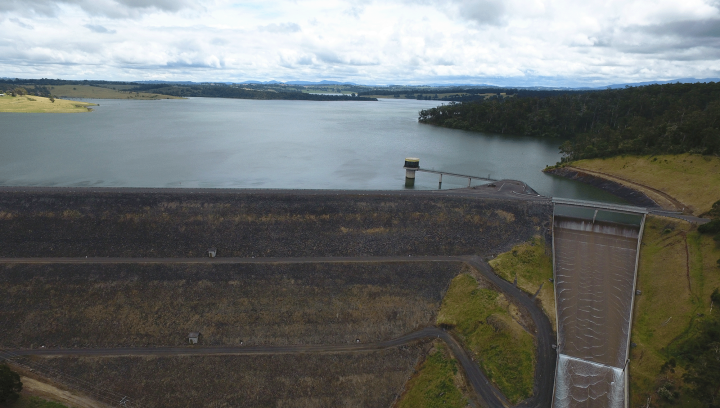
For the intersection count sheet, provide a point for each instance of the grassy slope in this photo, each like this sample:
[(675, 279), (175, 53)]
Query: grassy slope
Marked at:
[(692, 179), (482, 319), (38, 104), (97, 92), (35, 402), (438, 383), (532, 266), (670, 301)]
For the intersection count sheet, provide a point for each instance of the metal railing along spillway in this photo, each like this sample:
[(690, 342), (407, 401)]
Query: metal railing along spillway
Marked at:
[(595, 269)]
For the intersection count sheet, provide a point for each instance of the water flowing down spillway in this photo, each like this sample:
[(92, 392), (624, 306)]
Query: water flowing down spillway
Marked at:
[(584, 384), (595, 269)]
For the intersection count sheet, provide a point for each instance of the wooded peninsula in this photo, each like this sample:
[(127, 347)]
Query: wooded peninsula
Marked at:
[(653, 119)]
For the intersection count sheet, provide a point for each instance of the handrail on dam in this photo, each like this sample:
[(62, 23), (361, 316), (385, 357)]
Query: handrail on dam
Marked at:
[(598, 205), (412, 165), (456, 174)]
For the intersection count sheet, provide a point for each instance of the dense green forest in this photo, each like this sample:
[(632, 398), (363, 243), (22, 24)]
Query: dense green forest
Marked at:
[(652, 119)]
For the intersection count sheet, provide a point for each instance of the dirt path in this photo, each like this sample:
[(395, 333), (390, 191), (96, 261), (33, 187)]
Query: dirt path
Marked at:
[(229, 260), (505, 189), (48, 391), (477, 379)]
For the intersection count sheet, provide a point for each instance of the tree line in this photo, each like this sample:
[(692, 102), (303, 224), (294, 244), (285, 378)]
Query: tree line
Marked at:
[(225, 91), (652, 119), (465, 94), (37, 90)]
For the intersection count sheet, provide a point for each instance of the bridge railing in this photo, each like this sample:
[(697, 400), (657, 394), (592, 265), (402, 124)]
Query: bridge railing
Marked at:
[(629, 209)]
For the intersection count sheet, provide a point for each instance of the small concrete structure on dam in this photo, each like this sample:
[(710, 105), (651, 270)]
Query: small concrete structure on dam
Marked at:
[(595, 264)]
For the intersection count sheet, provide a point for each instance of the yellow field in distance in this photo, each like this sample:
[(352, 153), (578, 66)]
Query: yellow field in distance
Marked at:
[(38, 104), (98, 92)]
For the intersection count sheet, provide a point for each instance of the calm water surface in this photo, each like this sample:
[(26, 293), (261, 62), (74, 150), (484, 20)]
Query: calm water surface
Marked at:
[(236, 143)]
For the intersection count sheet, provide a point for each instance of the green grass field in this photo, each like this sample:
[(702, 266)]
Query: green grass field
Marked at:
[(677, 273), (97, 92), (35, 402), (438, 383), (694, 180), (531, 263), (482, 319), (38, 104)]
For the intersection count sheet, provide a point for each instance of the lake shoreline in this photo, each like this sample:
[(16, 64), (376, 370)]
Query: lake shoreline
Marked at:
[(631, 195)]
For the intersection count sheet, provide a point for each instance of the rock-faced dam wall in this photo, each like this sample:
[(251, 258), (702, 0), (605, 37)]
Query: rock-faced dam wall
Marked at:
[(81, 223), (131, 305), (138, 302)]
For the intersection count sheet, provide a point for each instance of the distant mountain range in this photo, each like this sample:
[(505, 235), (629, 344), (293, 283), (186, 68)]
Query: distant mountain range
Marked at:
[(330, 83), (325, 82), (272, 82), (298, 82), (680, 80)]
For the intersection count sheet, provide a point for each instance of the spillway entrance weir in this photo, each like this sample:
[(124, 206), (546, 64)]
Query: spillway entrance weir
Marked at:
[(595, 258)]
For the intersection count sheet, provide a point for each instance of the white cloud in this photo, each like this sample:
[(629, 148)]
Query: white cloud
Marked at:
[(99, 29), (109, 8), (21, 24), (402, 41), (280, 28)]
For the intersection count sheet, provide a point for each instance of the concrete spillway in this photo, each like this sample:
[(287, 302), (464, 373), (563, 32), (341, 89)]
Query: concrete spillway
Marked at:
[(595, 268)]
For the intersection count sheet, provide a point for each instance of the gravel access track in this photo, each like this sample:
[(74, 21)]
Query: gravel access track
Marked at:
[(504, 189), (477, 379)]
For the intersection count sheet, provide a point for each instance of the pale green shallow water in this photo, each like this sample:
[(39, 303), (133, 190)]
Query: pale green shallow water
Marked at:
[(203, 142)]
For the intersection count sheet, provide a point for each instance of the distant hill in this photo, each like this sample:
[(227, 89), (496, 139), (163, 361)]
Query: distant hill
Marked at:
[(218, 90), (319, 83), (672, 81), (163, 82)]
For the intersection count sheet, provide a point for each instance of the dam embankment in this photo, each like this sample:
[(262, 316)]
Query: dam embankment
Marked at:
[(315, 283), (158, 223), (136, 304)]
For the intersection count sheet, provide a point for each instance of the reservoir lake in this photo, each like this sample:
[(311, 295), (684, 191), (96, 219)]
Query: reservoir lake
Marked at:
[(237, 143)]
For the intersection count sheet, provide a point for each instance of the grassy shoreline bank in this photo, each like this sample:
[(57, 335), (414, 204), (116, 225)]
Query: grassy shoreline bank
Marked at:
[(39, 104), (687, 181), (674, 259)]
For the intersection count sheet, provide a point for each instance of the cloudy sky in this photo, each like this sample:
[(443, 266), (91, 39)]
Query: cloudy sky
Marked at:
[(503, 42)]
